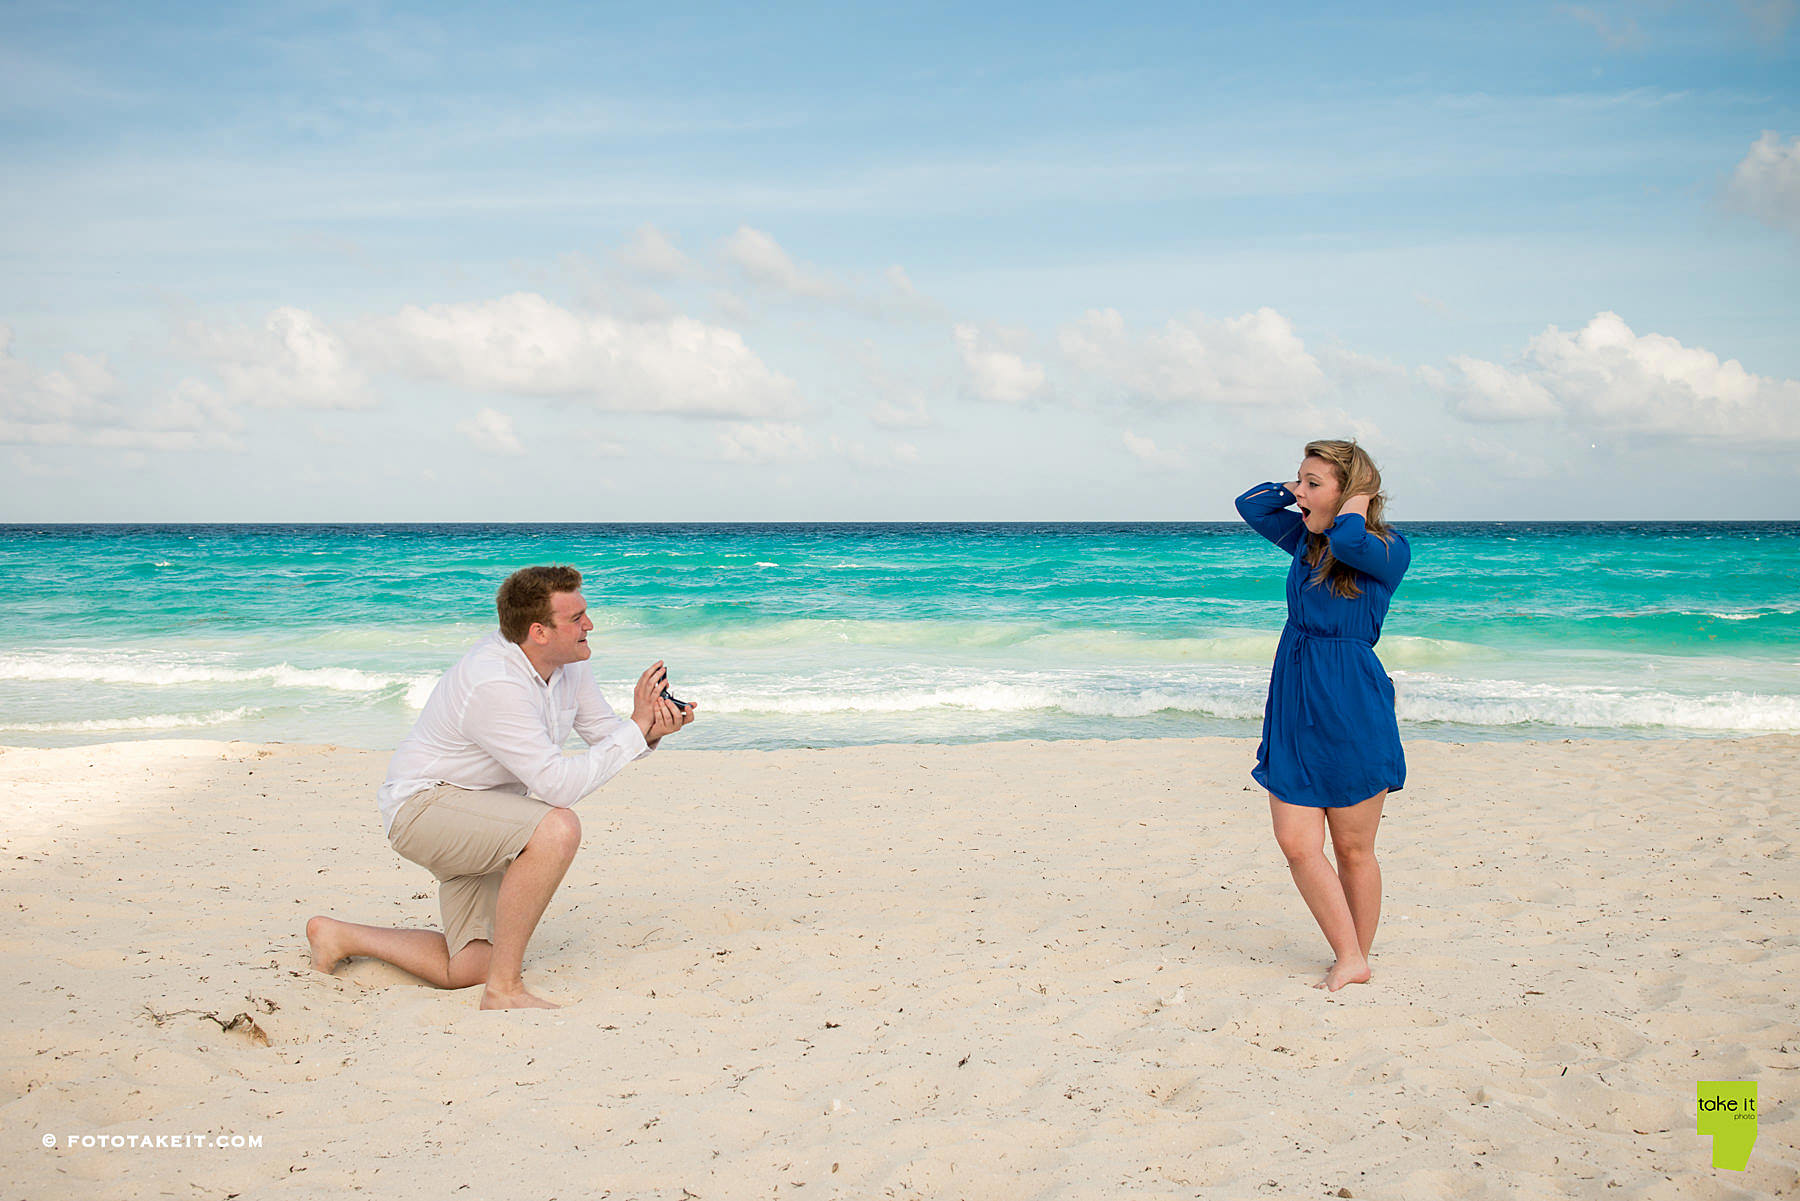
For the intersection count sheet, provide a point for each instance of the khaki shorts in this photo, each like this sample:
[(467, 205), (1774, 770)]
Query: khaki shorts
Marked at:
[(467, 839)]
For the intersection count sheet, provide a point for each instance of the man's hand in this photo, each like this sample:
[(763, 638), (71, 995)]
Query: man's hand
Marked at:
[(647, 695), (670, 717), (655, 714)]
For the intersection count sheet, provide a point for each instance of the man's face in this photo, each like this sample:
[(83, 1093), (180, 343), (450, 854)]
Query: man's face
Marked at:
[(568, 629)]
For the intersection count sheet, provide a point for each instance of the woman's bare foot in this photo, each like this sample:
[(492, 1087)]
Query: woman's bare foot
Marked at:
[(492, 999), (327, 948), (1346, 972)]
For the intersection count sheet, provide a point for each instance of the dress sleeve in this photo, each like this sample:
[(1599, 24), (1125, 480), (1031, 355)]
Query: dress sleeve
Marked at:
[(1265, 507), (1352, 543), (503, 719)]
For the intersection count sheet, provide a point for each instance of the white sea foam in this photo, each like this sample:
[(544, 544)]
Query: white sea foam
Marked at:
[(154, 721), (989, 698), (1513, 704), (149, 671), (1422, 700)]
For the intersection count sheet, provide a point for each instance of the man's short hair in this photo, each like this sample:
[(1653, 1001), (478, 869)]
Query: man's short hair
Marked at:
[(524, 598)]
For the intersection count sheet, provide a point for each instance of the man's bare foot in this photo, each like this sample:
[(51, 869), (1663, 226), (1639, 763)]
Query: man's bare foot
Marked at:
[(1342, 973), (494, 999), (327, 948)]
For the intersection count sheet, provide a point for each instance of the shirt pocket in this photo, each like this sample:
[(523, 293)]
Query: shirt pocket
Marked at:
[(565, 724)]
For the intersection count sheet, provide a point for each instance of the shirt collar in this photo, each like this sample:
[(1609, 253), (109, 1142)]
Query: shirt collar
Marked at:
[(520, 660)]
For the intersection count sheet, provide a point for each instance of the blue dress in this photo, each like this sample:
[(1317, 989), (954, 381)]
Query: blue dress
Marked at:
[(1329, 735)]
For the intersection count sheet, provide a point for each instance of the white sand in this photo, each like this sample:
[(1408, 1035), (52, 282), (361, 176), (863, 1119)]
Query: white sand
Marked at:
[(1070, 970)]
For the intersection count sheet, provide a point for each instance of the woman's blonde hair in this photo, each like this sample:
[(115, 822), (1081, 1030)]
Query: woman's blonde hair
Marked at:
[(1356, 474)]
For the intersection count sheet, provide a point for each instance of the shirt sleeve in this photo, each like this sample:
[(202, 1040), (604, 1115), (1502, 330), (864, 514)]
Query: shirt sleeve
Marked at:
[(596, 720), (1265, 507), (1352, 543), (506, 721)]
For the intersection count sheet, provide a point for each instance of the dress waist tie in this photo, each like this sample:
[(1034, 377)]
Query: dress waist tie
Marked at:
[(1302, 644), (1303, 641)]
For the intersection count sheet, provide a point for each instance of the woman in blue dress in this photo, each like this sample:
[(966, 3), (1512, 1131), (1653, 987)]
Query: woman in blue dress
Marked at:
[(1330, 749)]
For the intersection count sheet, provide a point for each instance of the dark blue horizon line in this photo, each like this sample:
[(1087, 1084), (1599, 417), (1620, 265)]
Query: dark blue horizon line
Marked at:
[(14, 527)]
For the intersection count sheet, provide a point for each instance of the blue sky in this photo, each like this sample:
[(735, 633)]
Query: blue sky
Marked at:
[(377, 262)]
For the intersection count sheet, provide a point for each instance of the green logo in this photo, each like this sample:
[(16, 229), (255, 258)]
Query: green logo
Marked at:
[(1727, 1110)]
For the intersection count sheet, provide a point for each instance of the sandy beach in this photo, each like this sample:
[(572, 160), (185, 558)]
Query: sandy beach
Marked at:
[(1014, 970)]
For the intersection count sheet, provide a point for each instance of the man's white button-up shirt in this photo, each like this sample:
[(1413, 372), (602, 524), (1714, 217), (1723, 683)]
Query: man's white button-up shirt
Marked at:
[(494, 722)]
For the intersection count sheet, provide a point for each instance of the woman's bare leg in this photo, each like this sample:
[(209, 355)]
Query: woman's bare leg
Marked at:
[(1300, 832), (1353, 844)]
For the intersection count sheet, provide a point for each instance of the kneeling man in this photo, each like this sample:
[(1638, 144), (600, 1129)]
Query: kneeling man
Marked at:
[(479, 792)]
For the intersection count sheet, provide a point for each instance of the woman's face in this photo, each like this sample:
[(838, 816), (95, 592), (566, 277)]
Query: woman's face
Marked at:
[(1319, 493)]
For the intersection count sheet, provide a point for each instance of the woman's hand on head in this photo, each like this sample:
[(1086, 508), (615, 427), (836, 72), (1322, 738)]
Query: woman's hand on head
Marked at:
[(1357, 504)]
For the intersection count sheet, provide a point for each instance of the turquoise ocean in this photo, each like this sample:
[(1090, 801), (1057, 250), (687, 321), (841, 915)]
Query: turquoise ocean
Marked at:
[(832, 635)]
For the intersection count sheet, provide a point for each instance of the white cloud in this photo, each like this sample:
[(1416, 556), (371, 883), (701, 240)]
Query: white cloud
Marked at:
[(83, 387), (900, 396), (995, 373), (1346, 368), (731, 306), (77, 405), (525, 345), (1606, 378), (764, 262), (1145, 451), (294, 360), (194, 405), (1483, 391), (31, 468), (492, 432), (62, 433), (901, 299), (765, 442), (651, 253), (1306, 422), (1766, 183), (1254, 359), (907, 413)]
